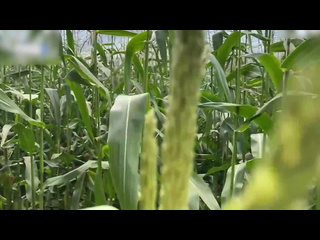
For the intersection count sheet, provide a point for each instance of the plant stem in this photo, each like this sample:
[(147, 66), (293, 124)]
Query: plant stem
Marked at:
[(286, 73), (41, 139), (33, 198), (17, 119), (146, 63), (236, 118)]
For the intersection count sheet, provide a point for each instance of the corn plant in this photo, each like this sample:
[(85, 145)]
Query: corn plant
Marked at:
[(162, 119)]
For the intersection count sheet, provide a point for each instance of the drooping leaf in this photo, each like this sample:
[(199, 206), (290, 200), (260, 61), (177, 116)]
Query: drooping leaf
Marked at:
[(204, 192), (136, 44), (85, 73), (221, 78), (273, 66), (6, 104), (73, 174), (279, 46), (81, 103), (74, 76), (271, 106), (307, 52), (246, 111), (226, 48)]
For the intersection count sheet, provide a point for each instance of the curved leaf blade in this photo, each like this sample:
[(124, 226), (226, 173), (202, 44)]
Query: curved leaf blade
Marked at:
[(226, 48), (82, 105), (273, 66), (221, 78), (204, 192), (125, 133), (136, 44), (246, 111), (7, 105), (238, 182), (306, 52)]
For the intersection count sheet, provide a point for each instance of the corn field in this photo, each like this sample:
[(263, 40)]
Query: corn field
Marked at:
[(161, 120)]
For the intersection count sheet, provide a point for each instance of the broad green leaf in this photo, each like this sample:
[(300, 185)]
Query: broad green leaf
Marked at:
[(217, 169), (102, 54), (85, 73), (279, 47), (118, 33), (271, 106), (208, 97), (237, 182), (125, 132), (226, 48), (27, 161), (74, 76), (73, 174), (26, 138), (77, 192), (5, 131), (70, 39), (136, 44), (204, 192), (100, 208), (55, 103), (82, 105), (221, 78), (273, 66), (307, 52), (246, 111), (250, 70), (136, 62), (7, 105)]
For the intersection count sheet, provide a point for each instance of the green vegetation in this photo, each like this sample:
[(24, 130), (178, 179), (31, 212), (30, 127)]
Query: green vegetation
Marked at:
[(170, 120)]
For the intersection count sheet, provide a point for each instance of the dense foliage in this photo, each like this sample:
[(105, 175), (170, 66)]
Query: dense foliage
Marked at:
[(72, 134)]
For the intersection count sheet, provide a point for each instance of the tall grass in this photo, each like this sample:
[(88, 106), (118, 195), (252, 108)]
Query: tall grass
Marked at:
[(226, 120)]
